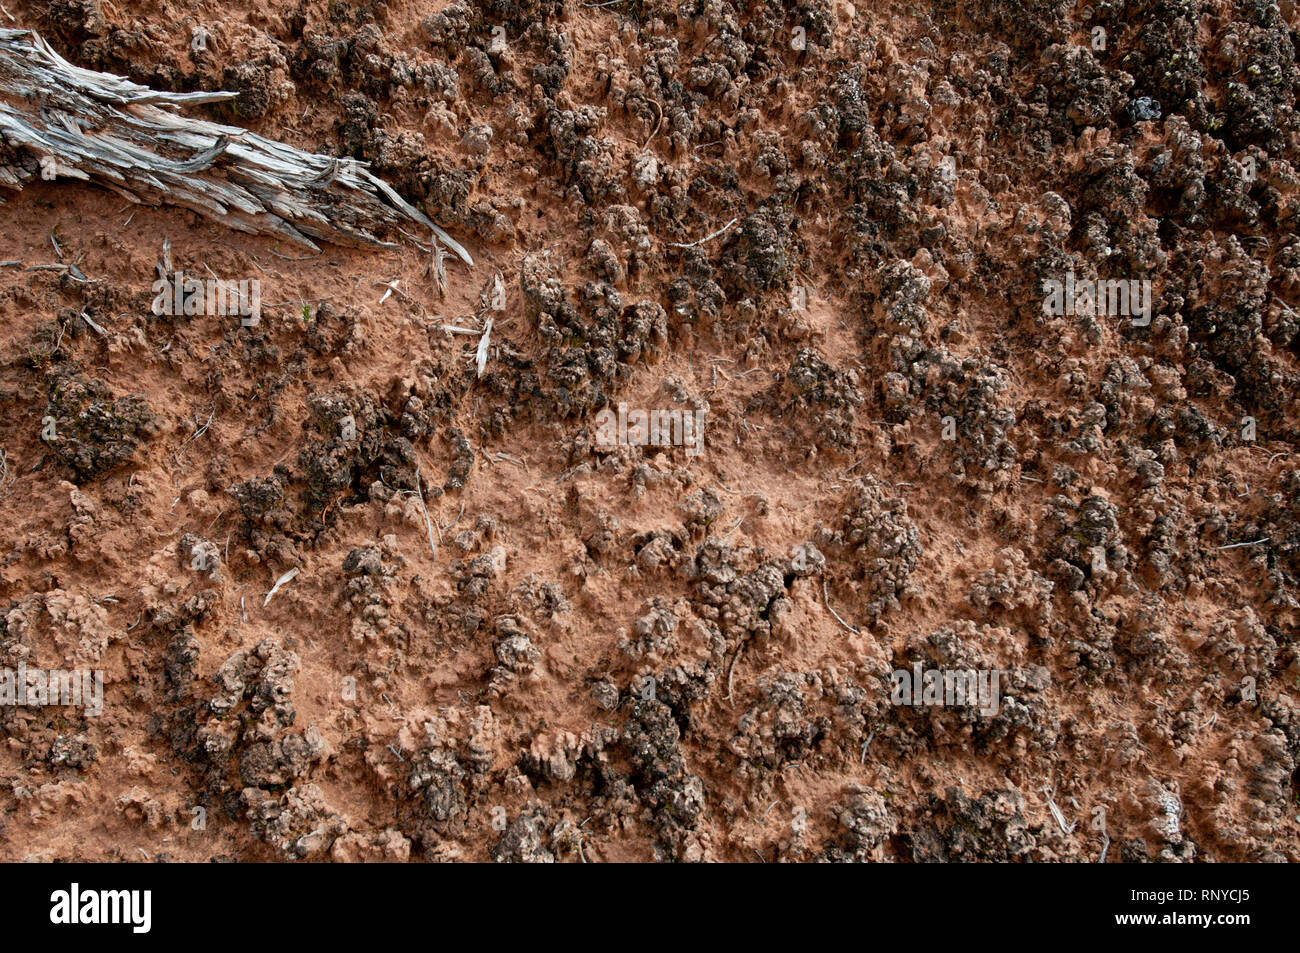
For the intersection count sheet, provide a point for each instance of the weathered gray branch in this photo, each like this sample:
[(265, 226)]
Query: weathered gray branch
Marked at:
[(57, 120)]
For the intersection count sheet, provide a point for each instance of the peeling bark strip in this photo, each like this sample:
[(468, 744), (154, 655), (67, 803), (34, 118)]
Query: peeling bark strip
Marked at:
[(57, 119)]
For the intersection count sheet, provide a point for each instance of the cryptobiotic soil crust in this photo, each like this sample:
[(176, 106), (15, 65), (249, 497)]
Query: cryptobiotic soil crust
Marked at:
[(645, 653)]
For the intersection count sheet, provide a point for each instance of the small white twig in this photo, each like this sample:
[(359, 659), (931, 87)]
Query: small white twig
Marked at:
[(428, 525), (1056, 813), (706, 238), (481, 357), (1253, 542), (439, 268), (827, 598), (93, 326), (452, 524), (287, 577)]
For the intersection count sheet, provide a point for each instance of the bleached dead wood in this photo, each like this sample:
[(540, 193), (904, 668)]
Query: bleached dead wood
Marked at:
[(58, 120)]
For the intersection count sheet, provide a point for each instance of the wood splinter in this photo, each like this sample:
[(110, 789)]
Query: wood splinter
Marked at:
[(58, 120)]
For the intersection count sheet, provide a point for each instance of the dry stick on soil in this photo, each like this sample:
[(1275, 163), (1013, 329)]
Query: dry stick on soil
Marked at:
[(164, 265), (199, 432), (1056, 811), (826, 596), (1253, 542), (6, 478), (438, 257), (481, 355), (452, 525), (287, 577), (706, 238), (659, 117), (731, 672), (427, 524), (392, 289), (58, 120)]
